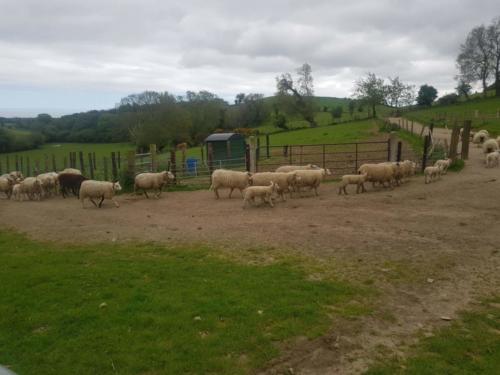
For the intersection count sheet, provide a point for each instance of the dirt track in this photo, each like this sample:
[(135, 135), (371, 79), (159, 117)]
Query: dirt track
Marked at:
[(446, 231)]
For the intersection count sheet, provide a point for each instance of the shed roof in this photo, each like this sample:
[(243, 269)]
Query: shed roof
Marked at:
[(222, 137)]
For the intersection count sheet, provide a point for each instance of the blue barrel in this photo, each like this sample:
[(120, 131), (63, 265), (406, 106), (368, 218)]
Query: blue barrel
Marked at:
[(192, 165)]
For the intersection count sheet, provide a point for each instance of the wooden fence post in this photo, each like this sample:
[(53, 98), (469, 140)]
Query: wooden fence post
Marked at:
[(173, 165), (54, 165), (7, 162), (22, 164), (253, 154), (28, 166), (1, 171), (411, 126), (105, 164), (466, 139), (202, 152), (120, 160), (290, 154), (17, 163), (267, 146), (210, 158), (91, 166), (247, 157), (400, 148), (356, 160), (455, 138), (82, 163), (427, 142), (114, 169)]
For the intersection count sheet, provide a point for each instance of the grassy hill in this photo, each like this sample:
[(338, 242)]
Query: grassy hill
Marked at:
[(446, 115)]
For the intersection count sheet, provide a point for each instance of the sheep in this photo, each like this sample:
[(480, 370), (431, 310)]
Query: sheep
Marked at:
[(408, 168), (311, 178), (16, 193), (6, 185), (98, 189), (265, 193), (291, 168), (431, 173), (480, 137), (444, 164), (285, 182), (490, 145), (149, 181), (32, 187), (398, 171), (353, 179), (71, 171), (49, 182), (493, 159), (70, 182), (380, 173), (223, 178), (498, 141)]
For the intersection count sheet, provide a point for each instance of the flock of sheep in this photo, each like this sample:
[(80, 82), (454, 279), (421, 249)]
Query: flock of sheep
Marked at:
[(289, 179), (71, 180), (491, 147)]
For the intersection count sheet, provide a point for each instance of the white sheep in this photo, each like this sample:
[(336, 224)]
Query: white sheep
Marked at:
[(224, 178), (493, 159), (6, 185), (398, 171), (285, 181), (49, 182), (152, 181), (311, 178), (490, 145), (32, 187), (265, 193), (408, 168), (16, 192), (382, 173), (444, 164), (92, 189), (71, 171), (353, 179), (431, 173), (291, 168), (480, 137), (498, 141)]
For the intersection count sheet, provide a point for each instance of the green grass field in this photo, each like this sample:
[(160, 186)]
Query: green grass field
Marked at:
[(341, 133), (167, 310), (469, 346), (461, 111)]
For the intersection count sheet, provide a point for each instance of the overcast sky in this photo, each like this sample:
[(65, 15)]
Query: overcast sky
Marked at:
[(62, 56)]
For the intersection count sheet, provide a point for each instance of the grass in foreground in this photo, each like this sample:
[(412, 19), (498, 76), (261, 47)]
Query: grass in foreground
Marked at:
[(469, 346), (167, 310)]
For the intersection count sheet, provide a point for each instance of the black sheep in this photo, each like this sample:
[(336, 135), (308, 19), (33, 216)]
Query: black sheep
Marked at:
[(70, 182)]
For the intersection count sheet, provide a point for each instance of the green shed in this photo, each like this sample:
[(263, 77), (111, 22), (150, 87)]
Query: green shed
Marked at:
[(227, 149)]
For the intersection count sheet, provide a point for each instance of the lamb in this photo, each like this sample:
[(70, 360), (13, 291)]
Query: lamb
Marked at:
[(490, 145), (444, 164), (98, 189), (291, 168), (150, 181), (285, 182), (223, 178), (16, 193), (311, 178), (408, 168), (71, 171), (380, 173), (480, 137), (432, 173), (353, 179), (70, 182), (6, 185), (265, 193), (493, 159), (32, 187)]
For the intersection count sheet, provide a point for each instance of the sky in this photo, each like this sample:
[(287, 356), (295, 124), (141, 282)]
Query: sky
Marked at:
[(65, 56)]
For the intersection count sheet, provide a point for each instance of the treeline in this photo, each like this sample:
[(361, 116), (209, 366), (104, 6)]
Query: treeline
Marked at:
[(148, 117)]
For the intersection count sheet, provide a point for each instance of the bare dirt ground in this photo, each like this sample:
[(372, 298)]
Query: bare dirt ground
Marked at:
[(431, 250)]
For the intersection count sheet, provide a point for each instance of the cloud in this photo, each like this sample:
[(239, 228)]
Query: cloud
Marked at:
[(226, 47)]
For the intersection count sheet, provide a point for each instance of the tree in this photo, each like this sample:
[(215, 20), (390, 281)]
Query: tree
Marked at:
[(463, 88), (239, 98), (475, 58), (301, 95), (426, 95), (371, 90), (493, 35), (336, 112), (448, 99), (398, 94)]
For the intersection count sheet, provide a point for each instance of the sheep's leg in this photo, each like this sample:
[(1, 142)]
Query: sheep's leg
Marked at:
[(145, 193), (316, 190), (216, 191), (115, 202), (95, 204), (270, 201), (102, 200), (363, 190), (159, 193), (231, 192)]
